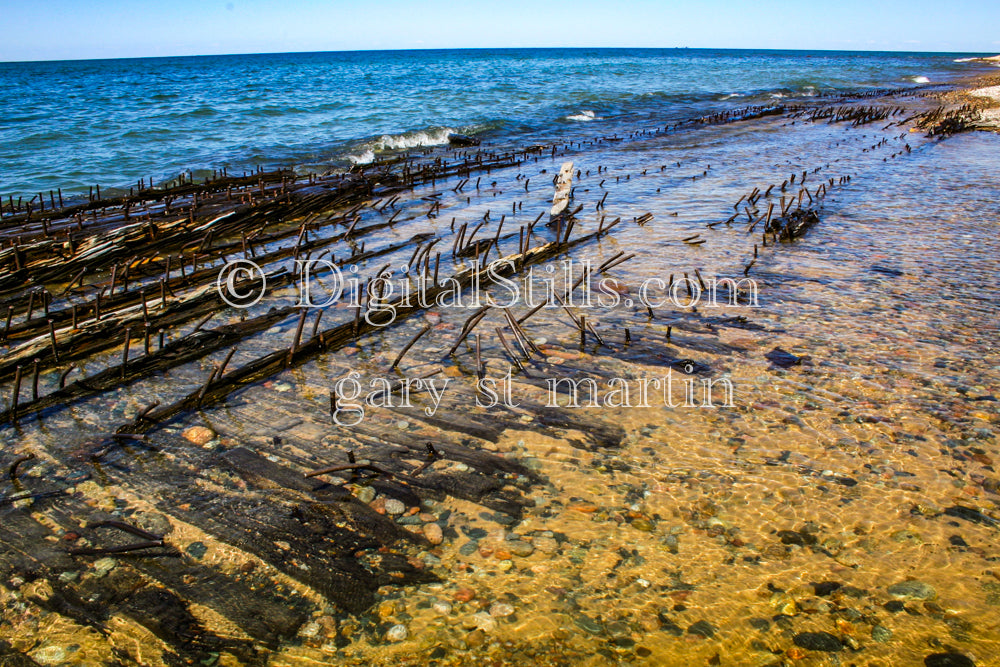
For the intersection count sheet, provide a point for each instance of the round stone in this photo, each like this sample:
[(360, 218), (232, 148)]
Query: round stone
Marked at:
[(50, 655), (948, 660), (396, 633), (913, 590), (547, 545), (198, 435), (519, 548), (103, 566), (464, 594), (501, 609), (818, 641), (393, 506), (433, 533), (484, 621)]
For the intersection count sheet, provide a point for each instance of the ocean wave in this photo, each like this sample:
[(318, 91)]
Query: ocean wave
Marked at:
[(395, 142), (979, 59), (583, 116), (367, 157), (919, 79), (436, 136), (201, 112)]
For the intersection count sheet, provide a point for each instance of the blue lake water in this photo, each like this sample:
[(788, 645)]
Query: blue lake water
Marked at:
[(73, 124)]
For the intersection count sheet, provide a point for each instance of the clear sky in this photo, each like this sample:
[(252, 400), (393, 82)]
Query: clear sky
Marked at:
[(75, 29)]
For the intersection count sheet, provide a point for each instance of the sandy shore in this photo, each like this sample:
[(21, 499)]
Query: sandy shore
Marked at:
[(981, 92), (990, 117)]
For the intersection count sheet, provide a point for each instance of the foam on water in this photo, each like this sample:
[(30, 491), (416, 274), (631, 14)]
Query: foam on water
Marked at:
[(437, 136), (367, 157), (395, 142)]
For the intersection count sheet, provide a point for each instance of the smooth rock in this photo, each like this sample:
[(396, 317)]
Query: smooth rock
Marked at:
[(618, 630), (103, 566), (913, 590), (393, 506), (521, 549), (547, 545), (433, 533), (818, 641), (484, 621), (501, 609), (198, 435), (782, 359), (464, 594), (948, 660), (49, 655), (702, 629), (588, 624), (643, 524), (397, 633), (197, 550)]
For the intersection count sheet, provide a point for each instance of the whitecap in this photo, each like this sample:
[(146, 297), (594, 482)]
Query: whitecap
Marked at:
[(395, 142), (583, 116), (919, 79), (366, 157)]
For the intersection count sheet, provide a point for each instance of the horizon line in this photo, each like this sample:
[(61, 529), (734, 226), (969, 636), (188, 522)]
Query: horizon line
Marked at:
[(491, 48)]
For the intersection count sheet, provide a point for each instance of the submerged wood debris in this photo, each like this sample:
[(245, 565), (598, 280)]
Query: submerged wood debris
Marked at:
[(131, 280)]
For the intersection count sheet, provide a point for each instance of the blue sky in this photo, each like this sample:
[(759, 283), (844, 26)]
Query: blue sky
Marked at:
[(65, 29)]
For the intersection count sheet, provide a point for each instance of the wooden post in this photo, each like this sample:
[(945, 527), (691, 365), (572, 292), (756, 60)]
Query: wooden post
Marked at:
[(563, 192)]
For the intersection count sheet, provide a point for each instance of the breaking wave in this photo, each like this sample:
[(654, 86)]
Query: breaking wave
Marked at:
[(436, 136)]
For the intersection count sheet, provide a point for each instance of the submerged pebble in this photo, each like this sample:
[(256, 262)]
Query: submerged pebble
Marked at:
[(393, 506), (103, 566), (912, 590), (501, 609), (818, 641), (433, 533), (49, 655), (198, 435)]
